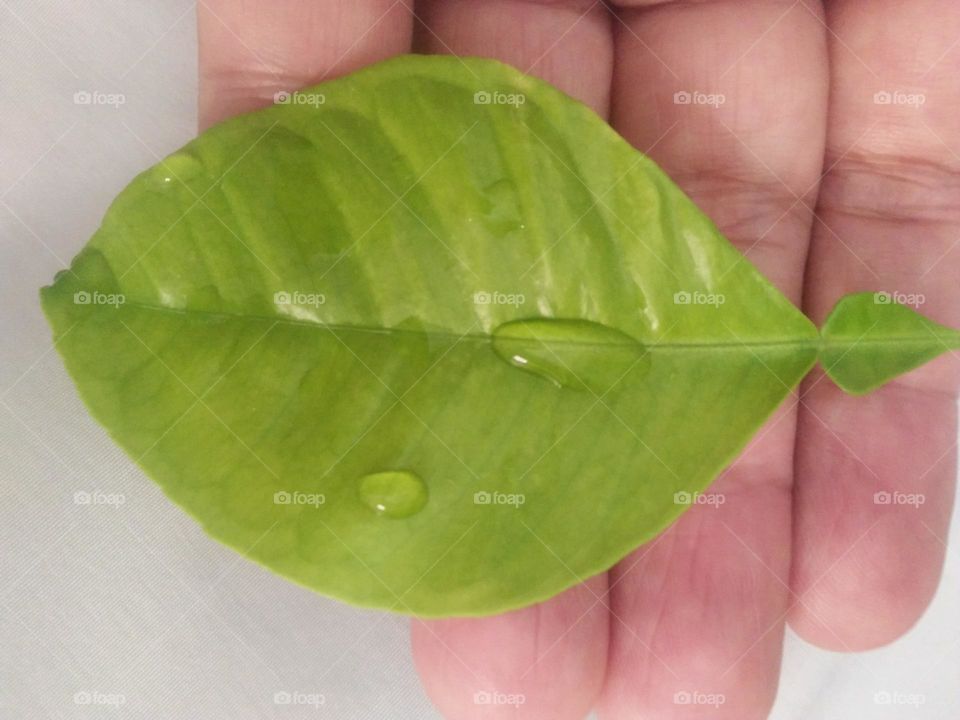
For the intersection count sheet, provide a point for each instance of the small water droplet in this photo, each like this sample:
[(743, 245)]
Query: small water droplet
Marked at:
[(178, 168), (394, 493), (578, 354)]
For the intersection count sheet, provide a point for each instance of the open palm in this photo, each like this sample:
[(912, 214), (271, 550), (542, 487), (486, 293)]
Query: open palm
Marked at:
[(825, 143)]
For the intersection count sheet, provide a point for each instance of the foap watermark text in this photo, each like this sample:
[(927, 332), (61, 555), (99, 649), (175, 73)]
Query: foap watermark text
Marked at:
[(497, 97), (499, 498), (695, 97), (695, 297), (299, 98), (483, 297)]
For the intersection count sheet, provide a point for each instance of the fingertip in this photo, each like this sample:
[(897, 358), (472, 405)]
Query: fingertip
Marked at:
[(545, 661), (871, 596), (248, 52), (875, 479)]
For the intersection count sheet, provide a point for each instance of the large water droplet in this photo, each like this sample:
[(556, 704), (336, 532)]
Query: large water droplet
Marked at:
[(577, 354), (394, 493)]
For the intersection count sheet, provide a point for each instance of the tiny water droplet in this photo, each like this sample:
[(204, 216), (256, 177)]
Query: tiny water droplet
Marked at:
[(578, 354), (178, 168), (394, 493)]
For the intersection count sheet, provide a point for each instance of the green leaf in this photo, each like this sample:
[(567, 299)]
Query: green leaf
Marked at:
[(869, 339), (431, 337)]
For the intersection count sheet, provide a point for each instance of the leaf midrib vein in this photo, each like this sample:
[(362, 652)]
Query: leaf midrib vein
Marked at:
[(798, 342)]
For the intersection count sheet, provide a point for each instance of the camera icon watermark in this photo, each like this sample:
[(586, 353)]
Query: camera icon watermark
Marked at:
[(895, 697), (283, 497), (313, 99), (695, 97), (884, 497), (697, 498), (95, 697), (695, 697), (897, 97), (914, 300), (488, 697), (695, 297), (95, 97), (496, 97), (84, 297), (297, 697), (96, 497), (295, 297), (484, 497), (495, 297)]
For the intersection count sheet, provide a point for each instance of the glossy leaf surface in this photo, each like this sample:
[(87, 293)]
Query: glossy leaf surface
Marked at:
[(431, 338)]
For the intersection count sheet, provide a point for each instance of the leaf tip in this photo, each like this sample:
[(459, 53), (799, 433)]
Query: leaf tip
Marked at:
[(869, 338)]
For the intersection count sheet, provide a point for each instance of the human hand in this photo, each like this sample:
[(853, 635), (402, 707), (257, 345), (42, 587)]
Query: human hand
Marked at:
[(828, 189)]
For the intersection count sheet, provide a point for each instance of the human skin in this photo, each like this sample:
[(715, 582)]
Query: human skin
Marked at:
[(827, 192)]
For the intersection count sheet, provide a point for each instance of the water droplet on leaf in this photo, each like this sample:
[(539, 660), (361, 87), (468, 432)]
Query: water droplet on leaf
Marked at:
[(394, 493), (178, 168), (577, 354)]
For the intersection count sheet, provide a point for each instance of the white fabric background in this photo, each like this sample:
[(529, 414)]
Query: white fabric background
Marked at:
[(136, 600)]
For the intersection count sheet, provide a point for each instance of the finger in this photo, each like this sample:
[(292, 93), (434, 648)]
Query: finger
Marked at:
[(251, 50), (890, 212), (698, 614), (551, 655), (566, 42), (544, 661)]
